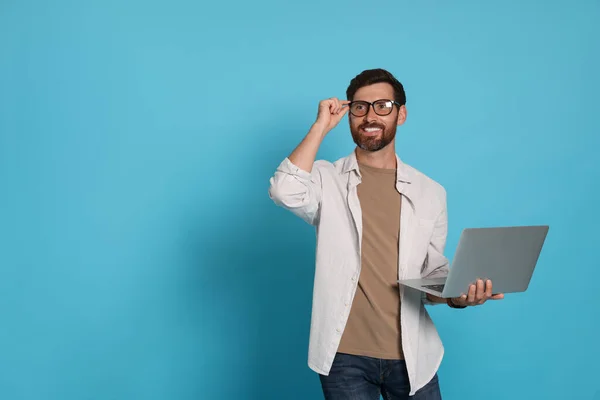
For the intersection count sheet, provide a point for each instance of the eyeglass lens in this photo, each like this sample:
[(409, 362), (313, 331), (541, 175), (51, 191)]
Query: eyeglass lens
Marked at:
[(381, 107)]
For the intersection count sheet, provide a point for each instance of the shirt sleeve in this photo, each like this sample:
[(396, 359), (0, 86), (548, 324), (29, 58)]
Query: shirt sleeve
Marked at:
[(436, 264), (297, 190)]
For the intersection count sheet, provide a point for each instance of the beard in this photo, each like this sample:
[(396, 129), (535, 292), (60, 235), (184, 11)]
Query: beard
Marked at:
[(373, 143)]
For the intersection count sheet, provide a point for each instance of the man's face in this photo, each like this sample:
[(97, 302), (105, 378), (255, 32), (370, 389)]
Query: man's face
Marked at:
[(373, 132)]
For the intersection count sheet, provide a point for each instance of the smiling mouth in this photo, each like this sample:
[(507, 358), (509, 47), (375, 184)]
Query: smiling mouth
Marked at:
[(372, 131)]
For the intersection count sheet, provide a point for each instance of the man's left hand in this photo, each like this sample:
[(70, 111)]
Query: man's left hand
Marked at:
[(478, 294)]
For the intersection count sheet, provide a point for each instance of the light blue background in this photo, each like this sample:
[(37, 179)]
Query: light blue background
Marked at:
[(140, 256)]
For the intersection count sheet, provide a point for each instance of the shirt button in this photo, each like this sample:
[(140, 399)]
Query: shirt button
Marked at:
[(338, 330), (353, 279)]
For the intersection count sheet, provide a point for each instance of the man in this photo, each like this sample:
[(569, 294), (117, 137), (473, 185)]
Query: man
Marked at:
[(377, 220)]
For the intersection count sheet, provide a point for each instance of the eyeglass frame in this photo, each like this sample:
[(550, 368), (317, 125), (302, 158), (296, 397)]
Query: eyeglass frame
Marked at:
[(371, 105)]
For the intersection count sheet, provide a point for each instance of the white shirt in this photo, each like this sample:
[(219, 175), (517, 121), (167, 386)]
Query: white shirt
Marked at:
[(327, 199)]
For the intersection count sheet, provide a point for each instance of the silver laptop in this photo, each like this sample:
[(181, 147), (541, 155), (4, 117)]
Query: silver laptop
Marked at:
[(506, 255)]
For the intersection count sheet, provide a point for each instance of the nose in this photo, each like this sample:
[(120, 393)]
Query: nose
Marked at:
[(371, 115)]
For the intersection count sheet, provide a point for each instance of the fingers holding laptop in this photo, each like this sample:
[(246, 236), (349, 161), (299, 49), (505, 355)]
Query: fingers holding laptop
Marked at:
[(478, 293)]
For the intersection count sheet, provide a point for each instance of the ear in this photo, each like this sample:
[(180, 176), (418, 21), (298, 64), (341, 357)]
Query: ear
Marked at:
[(401, 115)]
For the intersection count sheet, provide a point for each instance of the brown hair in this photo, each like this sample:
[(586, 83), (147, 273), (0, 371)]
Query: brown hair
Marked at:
[(372, 76)]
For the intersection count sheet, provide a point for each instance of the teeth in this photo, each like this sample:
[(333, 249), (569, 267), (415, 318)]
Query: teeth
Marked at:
[(372, 129)]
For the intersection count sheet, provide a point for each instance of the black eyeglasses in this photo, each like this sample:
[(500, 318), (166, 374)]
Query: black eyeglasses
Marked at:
[(381, 107)]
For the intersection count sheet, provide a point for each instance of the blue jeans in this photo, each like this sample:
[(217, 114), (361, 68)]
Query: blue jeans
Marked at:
[(365, 378)]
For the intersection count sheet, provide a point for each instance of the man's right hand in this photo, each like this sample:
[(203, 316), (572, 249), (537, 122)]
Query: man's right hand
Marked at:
[(331, 112)]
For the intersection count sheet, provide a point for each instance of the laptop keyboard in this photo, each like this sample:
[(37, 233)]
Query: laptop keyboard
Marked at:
[(439, 288)]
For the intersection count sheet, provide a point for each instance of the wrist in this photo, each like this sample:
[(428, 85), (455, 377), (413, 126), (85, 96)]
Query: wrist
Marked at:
[(318, 130), (435, 299), (452, 304)]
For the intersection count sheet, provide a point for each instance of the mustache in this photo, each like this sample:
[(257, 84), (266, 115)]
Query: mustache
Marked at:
[(372, 125)]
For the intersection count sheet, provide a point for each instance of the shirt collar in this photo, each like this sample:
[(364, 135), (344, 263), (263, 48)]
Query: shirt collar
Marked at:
[(402, 171)]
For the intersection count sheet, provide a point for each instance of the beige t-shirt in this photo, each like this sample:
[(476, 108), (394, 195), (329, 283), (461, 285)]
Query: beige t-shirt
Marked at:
[(373, 327)]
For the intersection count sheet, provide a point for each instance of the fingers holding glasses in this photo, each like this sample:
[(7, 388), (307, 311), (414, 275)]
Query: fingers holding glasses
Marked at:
[(343, 107), (330, 113), (337, 105)]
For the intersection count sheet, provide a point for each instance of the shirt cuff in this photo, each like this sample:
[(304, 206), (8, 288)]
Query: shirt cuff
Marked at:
[(289, 167)]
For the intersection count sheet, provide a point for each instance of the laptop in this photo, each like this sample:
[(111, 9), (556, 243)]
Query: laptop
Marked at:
[(506, 255)]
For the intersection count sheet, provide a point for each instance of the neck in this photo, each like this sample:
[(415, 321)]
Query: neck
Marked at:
[(384, 158)]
